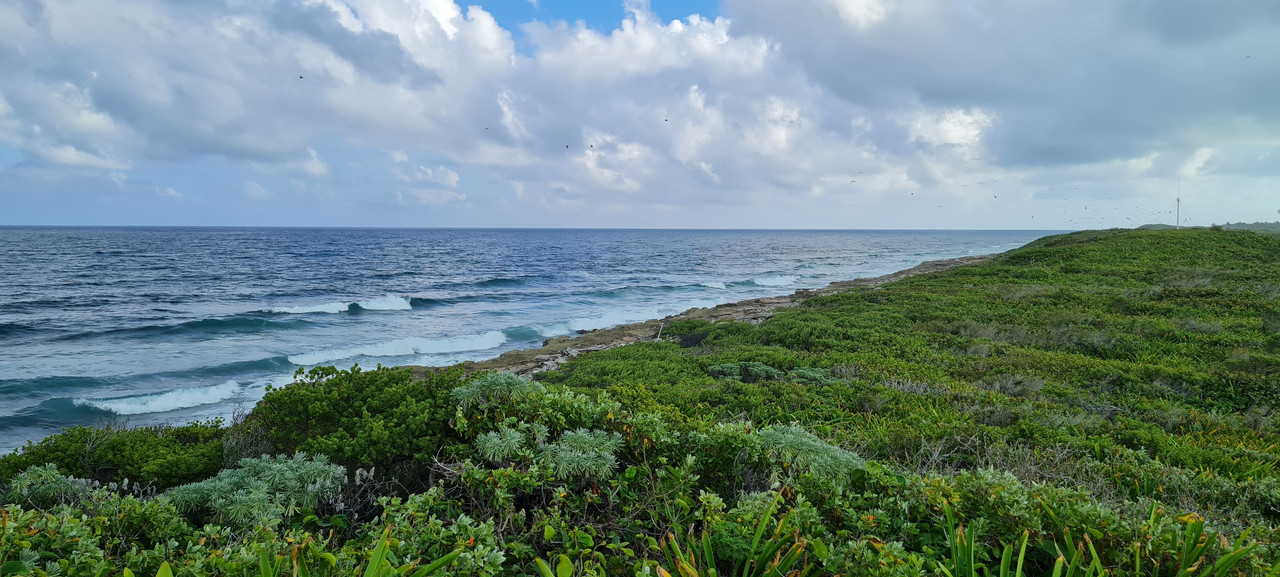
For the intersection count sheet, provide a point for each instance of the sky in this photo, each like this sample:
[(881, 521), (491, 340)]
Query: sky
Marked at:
[(953, 114)]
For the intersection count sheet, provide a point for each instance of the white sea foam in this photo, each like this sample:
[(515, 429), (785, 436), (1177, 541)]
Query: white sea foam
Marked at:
[(778, 280), (387, 303), (606, 320), (713, 284), (332, 308), (404, 347), (164, 402), (621, 317)]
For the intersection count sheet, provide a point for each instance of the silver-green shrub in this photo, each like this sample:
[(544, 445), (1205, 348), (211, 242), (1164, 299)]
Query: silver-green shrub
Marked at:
[(43, 487), (494, 388), (263, 489), (499, 445), (801, 451), (583, 453)]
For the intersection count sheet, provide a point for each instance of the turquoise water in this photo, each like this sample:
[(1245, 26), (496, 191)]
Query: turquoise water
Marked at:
[(172, 324)]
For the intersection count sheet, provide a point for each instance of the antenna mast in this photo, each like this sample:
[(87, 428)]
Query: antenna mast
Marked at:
[(1177, 219)]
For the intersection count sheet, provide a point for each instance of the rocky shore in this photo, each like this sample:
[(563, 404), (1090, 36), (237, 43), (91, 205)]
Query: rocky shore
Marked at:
[(559, 350)]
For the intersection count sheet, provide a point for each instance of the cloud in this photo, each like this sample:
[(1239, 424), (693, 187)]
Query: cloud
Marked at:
[(421, 174), (71, 156), (1196, 164), (859, 14), (827, 113), (434, 196), (257, 191), (949, 127), (312, 166)]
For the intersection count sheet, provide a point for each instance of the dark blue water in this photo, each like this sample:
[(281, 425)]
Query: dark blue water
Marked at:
[(174, 324)]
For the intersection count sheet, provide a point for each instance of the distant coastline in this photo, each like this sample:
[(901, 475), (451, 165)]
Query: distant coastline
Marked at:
[(558, 350)]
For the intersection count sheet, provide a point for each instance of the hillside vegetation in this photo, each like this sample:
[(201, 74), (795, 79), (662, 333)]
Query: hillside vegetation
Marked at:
[(1102, 402)]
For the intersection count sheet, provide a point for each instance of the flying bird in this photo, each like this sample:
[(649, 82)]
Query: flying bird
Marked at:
[(299, 78), (853, 181)]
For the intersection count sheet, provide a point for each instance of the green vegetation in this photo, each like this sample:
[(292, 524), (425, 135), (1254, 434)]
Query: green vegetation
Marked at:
[(1099, 403)]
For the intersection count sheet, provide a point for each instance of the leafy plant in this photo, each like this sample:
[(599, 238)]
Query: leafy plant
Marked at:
[(45, 488), (494, 388), (583, 453), (263, 489), (797, 450)]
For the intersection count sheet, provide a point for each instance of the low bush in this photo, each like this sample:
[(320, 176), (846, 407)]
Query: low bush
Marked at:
[(361, 419), (161, 456)]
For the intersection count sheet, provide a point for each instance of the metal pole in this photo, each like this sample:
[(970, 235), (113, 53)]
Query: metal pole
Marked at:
[(1177, 217)]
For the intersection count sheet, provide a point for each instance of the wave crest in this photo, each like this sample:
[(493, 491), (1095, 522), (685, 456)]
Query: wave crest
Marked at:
[(776, 280), (404, 347), (164, 402)]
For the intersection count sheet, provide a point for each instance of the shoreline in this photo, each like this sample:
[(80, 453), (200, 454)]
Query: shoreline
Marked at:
[(555, 351)]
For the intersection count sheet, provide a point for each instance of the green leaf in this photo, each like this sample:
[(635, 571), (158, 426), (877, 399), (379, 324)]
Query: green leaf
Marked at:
[(15, 568), (564, 567), (164, 571), (438, 563), (820, 549), (543, 569), (379, 556), (548, 533)]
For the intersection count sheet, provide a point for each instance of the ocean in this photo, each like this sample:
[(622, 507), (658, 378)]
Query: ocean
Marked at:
[(156, 325)]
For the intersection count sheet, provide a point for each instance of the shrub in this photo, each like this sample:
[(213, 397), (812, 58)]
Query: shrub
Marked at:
[(362, 419), (162, 456), (583, 453), (498, 446), (494, 388), (43, 487), (48, 543), (747, 371), (262, 490), (796, 450), (1013, 385)]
